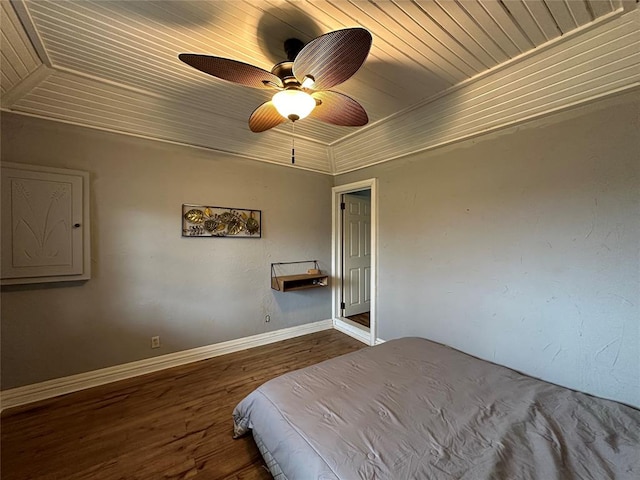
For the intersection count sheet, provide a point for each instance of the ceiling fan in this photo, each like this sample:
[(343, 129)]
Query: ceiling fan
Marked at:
[(302, 81)]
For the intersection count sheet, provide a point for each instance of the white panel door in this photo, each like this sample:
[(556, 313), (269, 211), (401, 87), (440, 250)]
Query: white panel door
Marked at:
[(42, 225), (356, 250)]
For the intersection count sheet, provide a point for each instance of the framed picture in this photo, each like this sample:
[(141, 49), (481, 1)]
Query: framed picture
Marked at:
[(209, 221)]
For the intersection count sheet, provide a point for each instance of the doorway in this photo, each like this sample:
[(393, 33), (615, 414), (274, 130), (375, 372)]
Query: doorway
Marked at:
[(355, 208), (354, 259)]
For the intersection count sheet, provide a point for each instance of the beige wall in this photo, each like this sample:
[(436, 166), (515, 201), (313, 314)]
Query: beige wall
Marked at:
[(147, 279), (521, 247)]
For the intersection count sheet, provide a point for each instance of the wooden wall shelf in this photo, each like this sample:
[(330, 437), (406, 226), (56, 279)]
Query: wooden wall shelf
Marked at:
[(302, 281), (288, 283)]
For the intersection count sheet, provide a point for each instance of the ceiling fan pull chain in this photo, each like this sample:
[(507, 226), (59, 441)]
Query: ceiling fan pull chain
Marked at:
[(293, 143)]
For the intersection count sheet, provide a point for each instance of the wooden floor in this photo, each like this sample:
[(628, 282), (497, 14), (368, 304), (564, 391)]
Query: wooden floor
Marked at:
[(174, 424), (361, 318)]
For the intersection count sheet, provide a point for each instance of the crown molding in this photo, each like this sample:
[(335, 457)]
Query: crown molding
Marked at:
[(598, 61)]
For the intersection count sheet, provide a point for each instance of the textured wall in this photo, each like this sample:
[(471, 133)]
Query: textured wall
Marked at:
[(147, 279), (521, 247)]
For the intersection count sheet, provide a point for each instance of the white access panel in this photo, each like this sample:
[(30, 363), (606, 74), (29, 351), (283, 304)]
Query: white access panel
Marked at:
[(45, 224)]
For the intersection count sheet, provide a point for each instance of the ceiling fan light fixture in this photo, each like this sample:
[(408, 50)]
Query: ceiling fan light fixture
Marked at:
[(305, 79), (293, 104)]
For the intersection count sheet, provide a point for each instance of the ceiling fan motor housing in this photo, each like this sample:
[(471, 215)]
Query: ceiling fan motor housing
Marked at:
[(284, 71)]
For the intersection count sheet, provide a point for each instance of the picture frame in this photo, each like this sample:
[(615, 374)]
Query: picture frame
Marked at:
[(213, 221)]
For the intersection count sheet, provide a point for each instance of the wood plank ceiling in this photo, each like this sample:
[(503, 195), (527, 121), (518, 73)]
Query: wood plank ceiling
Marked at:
[(113, 65)]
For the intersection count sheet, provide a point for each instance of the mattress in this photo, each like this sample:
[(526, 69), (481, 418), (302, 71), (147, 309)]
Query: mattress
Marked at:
[(414, 409)]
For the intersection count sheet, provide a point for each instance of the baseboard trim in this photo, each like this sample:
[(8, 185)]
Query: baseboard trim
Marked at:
[(352, 330), (60, 386)]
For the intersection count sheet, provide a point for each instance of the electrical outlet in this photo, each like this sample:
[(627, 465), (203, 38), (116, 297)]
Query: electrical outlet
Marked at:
[(267, 318), (155, 342)]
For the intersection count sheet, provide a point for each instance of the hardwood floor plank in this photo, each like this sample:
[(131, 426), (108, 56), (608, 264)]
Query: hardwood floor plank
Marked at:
[(361, 318), (174, 424)]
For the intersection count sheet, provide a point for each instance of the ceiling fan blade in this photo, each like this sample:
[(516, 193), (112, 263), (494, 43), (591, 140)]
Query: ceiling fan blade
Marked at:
[(232, 70), (333, 57), (265, 117), (339, 109)]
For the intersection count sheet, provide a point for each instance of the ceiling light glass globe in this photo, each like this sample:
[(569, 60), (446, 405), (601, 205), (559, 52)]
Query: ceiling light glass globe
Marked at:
[(293, 104)]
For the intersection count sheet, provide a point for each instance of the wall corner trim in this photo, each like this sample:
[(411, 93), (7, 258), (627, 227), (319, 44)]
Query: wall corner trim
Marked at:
[(61, 386)]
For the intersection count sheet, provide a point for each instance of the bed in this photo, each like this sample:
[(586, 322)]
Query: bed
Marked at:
[(414, 409)]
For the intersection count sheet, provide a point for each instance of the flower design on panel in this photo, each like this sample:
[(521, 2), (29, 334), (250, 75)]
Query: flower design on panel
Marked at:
[(41, 217)]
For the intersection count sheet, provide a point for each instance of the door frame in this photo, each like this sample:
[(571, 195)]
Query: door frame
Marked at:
[(339, 322)]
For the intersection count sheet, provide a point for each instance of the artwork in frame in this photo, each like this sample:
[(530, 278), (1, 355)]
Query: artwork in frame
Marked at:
[(209, 221)]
